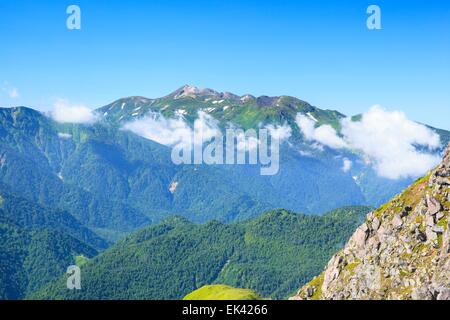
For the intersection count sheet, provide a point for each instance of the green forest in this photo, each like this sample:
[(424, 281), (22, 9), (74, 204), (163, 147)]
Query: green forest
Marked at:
[(273, 255)]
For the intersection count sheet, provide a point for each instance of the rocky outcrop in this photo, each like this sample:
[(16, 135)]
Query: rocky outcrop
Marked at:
[(402, 251)]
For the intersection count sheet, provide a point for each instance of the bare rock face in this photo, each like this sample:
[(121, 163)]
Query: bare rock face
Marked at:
[(402, 251)]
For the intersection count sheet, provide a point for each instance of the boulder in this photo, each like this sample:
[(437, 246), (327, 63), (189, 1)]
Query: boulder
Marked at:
[(444, 294), (375, 224), (361, 235), (397, 222), (433, 206), (429, 220)]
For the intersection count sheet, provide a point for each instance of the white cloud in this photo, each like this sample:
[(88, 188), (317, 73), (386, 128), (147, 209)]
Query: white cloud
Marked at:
[(389, 140), (172, 132), (394, 145), (159, 129), (347, 165), (65, 112), (324, 134), (281, 133), (175, 131), (206, 126)]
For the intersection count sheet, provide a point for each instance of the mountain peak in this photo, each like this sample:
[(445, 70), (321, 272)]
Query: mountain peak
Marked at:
[(192, 91), (195, 92)]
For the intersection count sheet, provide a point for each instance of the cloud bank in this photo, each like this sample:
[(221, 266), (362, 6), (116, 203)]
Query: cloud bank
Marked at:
[(281, 133), (65, 112), (175, 131), (171, 132), (394, 145), (324, 134)]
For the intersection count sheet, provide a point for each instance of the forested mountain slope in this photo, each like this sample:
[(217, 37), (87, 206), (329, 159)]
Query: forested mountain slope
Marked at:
[(271, 254), (32, 257)]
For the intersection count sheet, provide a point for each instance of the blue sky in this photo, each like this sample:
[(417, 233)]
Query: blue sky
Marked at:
[(319, 51)]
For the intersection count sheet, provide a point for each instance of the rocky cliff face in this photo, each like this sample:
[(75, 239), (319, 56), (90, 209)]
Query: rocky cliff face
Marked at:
[(402, 251)]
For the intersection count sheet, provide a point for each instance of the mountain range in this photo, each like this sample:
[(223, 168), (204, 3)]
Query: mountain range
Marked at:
[(115, 180)]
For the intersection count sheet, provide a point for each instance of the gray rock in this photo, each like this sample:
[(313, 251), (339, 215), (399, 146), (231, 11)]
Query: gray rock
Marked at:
[(397, 222), (431, 236), (444, 294), (429, 220), (361, 235), (433, 206), (443, 181), (438, 229), (375, 224)]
